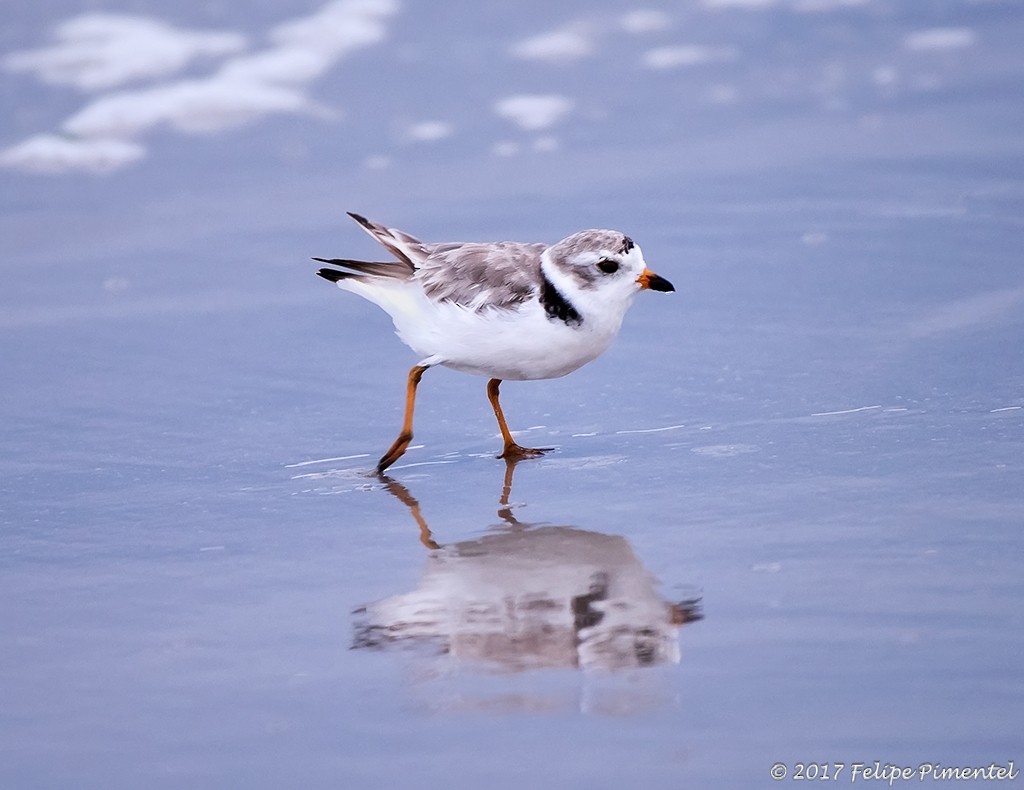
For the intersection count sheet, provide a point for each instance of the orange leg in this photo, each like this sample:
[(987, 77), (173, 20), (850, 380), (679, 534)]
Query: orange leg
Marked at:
[(402, 442), (512, 450)]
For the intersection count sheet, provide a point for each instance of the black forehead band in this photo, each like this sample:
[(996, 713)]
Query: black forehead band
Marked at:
[(627, 244)]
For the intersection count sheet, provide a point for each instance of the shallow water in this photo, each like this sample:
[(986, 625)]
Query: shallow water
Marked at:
[(783, 519)]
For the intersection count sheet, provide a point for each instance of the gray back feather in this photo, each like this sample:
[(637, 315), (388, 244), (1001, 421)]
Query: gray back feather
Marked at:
[(481, 276)]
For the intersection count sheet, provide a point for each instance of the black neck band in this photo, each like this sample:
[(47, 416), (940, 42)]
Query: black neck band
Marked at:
[(556, 305)]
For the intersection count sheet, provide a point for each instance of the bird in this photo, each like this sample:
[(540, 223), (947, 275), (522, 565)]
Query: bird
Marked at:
[(504, 310)]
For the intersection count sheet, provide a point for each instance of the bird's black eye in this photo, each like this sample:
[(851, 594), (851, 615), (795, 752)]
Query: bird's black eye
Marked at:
[(608, 266)]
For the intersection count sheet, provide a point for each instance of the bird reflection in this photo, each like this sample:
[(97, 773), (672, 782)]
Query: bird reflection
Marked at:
[(529, 596)]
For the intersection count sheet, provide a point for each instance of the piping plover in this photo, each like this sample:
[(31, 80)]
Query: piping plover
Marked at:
[(504, 310)]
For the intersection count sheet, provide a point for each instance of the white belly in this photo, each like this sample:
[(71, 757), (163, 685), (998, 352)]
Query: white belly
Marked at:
[(511, 346), (503, 344)]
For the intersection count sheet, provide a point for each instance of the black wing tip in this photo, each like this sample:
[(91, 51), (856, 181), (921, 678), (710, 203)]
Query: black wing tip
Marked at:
[(359, 218), (333, 274)]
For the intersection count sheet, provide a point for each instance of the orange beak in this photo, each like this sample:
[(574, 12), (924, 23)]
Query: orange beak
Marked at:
[(654, 282)]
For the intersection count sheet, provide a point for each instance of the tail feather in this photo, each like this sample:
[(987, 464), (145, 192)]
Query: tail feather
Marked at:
[(408, 249), (388, 269)]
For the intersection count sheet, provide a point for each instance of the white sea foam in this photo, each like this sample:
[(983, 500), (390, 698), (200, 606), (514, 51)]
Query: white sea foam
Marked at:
[(653, 430), (430, 131), (51, 153), (845, 411), (96, 51), (326, 460), (210, 105), (534, 112), (102, 136), (682, 55), (645, 20), (940, 39), (566, 44)]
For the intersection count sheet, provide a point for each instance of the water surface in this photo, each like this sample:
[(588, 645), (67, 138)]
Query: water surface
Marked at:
[(783, 519)]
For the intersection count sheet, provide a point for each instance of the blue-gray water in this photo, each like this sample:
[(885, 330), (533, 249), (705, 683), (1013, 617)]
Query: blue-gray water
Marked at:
[(784, 520)]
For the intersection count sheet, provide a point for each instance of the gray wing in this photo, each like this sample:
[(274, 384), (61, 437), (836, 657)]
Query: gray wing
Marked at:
[(477, 276)]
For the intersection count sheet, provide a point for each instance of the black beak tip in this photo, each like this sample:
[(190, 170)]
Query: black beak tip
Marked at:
[(658, 283)]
